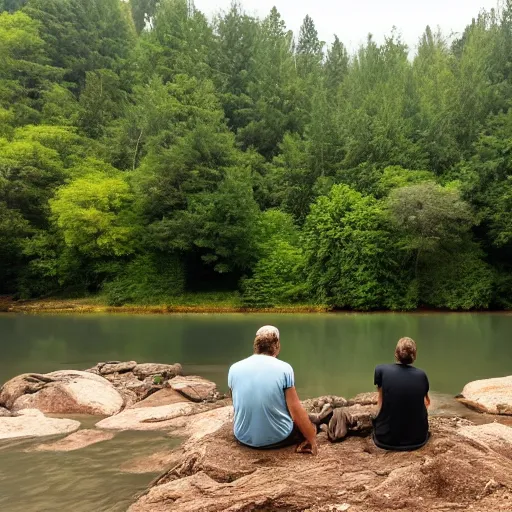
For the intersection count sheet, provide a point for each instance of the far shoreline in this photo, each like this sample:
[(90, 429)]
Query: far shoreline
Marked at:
[(92, 305)]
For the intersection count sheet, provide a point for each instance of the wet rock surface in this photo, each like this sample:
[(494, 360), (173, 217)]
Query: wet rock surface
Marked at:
[(33, 423), (75, 441), (492, 396)]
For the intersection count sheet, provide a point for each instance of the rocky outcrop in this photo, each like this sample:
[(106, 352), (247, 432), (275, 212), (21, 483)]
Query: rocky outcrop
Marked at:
[(62, 392), (33, 423), (75, 441), (493, 396), (463, 467), (134, 381)]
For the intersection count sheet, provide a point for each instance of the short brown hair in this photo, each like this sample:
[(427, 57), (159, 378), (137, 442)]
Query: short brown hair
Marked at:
[(405, 351), (266, 341)]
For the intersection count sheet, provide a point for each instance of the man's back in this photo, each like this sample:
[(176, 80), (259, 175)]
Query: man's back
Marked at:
[(258, 384), (403, 419)]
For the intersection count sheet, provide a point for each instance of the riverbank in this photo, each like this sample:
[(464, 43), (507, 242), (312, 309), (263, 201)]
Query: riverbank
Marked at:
[(190, 303)]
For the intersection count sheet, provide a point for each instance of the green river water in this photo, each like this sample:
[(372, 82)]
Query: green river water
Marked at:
[(330, 353)]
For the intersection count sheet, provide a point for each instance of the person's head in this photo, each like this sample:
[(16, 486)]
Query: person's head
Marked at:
[(267, 341), (405, 352)]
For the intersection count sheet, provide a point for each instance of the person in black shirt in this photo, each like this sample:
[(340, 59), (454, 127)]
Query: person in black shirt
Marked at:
[(402, 422)]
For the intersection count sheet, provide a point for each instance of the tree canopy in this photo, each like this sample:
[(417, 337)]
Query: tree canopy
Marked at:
[(146, 150)]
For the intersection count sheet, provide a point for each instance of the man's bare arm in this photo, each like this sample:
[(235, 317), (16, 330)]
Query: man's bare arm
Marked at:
[(300, 418), (427, 401)]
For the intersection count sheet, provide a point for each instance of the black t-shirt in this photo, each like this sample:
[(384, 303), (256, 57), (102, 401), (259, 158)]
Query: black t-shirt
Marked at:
[(402, 423)]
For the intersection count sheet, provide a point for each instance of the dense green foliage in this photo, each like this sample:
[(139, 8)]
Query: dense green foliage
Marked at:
[(147, 152)]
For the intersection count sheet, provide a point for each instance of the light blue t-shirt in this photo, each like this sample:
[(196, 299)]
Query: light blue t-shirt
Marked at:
[(257, 385)]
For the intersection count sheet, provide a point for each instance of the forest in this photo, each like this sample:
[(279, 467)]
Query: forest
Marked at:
[(147, 151)]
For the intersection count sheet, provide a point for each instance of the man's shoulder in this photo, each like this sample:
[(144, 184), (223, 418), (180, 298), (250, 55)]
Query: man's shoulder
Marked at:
[(239, 364), (286, 367)]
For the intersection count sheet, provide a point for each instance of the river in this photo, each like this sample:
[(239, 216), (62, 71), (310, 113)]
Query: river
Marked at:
[(330, 353)]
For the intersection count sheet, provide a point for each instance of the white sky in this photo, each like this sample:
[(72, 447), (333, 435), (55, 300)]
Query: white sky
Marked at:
[(352, 20)]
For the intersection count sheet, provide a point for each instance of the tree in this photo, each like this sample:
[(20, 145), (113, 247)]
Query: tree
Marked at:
[(24, 67), (179, 42), (309, 49), (429, 217), (274, 90), (93, 216), (336, 66), (84, 36), (278, 275), (350, 261)]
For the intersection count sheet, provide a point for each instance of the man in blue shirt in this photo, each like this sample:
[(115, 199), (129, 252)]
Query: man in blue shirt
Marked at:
[(268, 412)]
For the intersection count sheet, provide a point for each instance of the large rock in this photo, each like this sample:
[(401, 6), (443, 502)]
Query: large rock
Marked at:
[(214, 473), (33, 423), (195, 388), (18, 386), (75, 441), (4, 412), (165, 396), (62, 392), (493, 396), (135, 382), (113, 367), (167, 371)]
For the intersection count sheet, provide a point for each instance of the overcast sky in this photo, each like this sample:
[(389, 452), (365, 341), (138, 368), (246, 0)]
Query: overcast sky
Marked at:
[(352, 20)]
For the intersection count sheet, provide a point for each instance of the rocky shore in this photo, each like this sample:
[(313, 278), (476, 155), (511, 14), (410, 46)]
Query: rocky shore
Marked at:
[(465, 466)]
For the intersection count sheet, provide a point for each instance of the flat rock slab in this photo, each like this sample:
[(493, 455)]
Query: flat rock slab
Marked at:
[(75, 441), (147, 418), (165, 396), (216, 474), (493, 396), (32, 423), (194, 388)]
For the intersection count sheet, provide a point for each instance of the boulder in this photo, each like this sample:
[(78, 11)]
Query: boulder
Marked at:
[(215, 473), (113, 367), (33, 423), (18, 386), (4, 412), (493, 396), (75, 441), (194, 388), (165, 396), (63, 392)]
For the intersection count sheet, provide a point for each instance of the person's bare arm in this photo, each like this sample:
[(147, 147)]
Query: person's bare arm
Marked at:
[(301, 419), (379, 399), (427, 401)]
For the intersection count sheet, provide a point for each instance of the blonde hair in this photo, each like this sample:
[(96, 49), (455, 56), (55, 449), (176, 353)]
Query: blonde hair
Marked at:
[(405, 351), (267, 340)]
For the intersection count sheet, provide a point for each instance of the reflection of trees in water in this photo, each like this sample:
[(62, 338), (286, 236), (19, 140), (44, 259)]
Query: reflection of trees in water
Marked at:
[(333, 354)]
